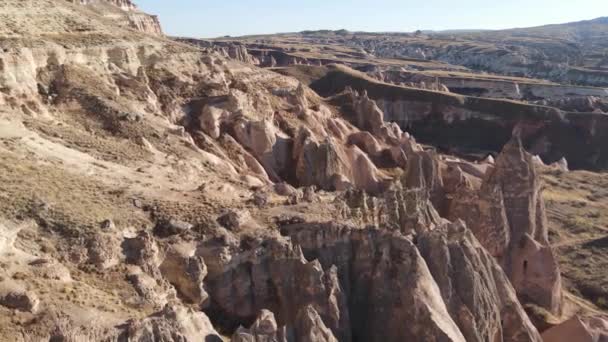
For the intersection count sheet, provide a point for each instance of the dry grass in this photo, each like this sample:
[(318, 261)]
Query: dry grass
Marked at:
[(577, 208), (59, 199)]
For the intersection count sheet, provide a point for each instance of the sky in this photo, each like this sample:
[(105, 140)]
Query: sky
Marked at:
[(215, 18)]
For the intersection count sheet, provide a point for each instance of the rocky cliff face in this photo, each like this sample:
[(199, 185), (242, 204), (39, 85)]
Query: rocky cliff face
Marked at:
[(447, 120), (128, 14), (125, 5), (566, 97), (380, 270), (508, 215)]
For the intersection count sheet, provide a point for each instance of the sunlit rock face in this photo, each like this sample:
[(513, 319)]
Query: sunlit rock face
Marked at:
[(131, 15), (507, 214)]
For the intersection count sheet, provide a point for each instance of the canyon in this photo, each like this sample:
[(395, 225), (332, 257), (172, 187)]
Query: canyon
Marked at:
[(299, 187)]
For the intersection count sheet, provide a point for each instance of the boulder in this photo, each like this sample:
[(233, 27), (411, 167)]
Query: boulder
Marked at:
[(316, 163), (103, 250), (365, 141), (363, 173), (299, 98), (186, 272), (149, 289), (16, 297), (330, 166), (107, 225), (210, 120), (561, 165), (284, 189), (142, 250), (260, 198), (234, 219), (259, 137), (166, 228)]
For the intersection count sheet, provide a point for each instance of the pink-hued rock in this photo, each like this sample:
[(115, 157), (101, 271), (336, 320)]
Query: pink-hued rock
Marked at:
[(579, 329), (507, 214)]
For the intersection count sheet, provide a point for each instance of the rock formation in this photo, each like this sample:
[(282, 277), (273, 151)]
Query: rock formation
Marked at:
[(269, 276), (592, 329), (369, 262), (132, 16), (507, 214), (171, 324), (186, 272), (158, 191), (368, 116), (15, 296), (265, 328), (309, 328)]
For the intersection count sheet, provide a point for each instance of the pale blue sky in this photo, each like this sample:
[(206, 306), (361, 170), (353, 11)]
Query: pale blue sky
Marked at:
[(212, 18)]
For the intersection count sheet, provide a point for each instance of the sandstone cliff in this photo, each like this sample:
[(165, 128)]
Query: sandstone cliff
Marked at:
[(126, 13)]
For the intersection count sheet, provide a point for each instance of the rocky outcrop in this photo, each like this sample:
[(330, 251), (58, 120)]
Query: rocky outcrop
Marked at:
[(368, 278), (172, 324), (448, 299), (16, 296), (584, 329), (142, 250), (125, 5), (507, 214), (145, 23), (424, 172), (319, 150), (485, 310), (397, 209), (131, 15), (237, 52), (357, 286), (368, 116), (264, 329), (309, 328), (186, 272), (332, 167), (271, 275)]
